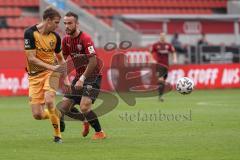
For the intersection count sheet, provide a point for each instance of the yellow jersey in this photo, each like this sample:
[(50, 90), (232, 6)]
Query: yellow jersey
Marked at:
[(45, 45)]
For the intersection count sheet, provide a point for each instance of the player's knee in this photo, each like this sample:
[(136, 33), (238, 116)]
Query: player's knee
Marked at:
[(49, 100), (37, 116), (85, 107), (65, 105)]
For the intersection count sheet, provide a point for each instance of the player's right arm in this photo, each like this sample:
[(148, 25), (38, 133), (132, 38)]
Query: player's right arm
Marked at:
[(31, 56), (30, 50)]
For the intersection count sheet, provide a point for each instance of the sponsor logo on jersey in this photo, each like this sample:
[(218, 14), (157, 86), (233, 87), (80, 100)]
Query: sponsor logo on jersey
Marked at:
[(51, 43), (27, 43), (79, 46), (45, 49)]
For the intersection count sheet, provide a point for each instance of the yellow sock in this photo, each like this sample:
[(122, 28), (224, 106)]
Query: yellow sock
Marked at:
[(46, 114), (55, 122)]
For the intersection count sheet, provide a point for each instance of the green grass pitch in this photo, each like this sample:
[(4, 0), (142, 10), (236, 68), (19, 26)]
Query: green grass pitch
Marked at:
[(204, 125)]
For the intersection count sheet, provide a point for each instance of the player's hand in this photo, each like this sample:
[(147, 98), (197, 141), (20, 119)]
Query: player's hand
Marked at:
[(79, 85), (67, 85), (59, 68)]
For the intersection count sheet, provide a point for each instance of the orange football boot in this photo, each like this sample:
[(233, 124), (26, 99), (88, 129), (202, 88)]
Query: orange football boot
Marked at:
[(85, 129), (99, 135)]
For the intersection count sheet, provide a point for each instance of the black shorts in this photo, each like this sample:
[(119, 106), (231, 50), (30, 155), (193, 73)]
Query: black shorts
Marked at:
[(162, 72), (91, 89)]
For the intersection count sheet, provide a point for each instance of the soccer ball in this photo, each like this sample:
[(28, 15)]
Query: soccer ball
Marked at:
[(185, 85)]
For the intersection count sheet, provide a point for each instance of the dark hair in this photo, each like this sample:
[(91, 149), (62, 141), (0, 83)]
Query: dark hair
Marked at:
[(50, 13), (71, 14)]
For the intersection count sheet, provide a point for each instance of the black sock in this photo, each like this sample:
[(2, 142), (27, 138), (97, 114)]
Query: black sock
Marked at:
[(93, 121), (74, 110), (75, 114), (161, 88)]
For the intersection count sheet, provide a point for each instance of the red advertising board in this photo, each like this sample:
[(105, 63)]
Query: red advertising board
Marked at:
[(14, 81), (208, 76), (185, 26), (198, 27), (13, 78)]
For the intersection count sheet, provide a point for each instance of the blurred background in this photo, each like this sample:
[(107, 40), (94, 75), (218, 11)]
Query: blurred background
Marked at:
[(205, 34)]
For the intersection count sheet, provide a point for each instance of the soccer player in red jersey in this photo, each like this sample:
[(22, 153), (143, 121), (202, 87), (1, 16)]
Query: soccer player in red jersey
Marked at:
[(160, 52), (86, 85)]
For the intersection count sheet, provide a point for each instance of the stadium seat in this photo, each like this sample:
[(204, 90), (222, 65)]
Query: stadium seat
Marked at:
[(19, 3), (21, 22), (3, 33), (149, 6), (11, 12)]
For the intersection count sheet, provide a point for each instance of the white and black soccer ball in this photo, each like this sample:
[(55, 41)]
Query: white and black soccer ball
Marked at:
[(185, 85)]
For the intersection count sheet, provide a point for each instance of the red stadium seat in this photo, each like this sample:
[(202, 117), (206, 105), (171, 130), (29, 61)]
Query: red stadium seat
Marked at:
[(19, 3), (3, 33), (11, 11), (4, 43), (156, 6)]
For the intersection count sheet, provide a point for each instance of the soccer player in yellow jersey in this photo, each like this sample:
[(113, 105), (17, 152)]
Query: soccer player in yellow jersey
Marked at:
[(42, 48)]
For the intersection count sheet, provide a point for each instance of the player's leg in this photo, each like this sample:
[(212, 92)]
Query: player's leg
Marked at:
[(164, 87), (54, 114), (63, 107), (162, 74), (91, 117), (51, 84), (66, 106), (39, 112), (167, 87), (90, 93), (74, 113), (161, 84), (36, 98)]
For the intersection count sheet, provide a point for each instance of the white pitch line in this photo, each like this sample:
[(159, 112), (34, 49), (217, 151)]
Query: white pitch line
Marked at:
[(214, 104)]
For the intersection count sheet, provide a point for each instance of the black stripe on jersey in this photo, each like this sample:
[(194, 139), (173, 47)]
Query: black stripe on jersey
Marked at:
[(75, 44), (29, 40), (58, 43)]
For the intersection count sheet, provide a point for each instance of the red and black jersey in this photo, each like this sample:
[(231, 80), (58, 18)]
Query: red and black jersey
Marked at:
[(161, 52), (80, 48)]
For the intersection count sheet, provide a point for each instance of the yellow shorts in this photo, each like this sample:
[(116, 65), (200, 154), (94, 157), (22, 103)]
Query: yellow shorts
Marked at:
[(41, 83)]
